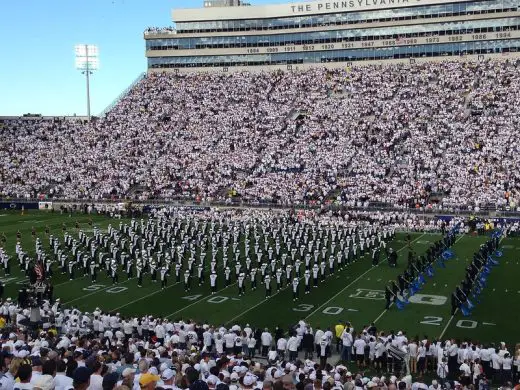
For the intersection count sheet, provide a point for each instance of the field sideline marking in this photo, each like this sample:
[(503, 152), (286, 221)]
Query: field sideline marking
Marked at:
[(384, 311), (355, 280)]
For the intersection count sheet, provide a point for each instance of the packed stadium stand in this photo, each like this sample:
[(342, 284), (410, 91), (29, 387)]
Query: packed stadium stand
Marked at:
[(402, 135)]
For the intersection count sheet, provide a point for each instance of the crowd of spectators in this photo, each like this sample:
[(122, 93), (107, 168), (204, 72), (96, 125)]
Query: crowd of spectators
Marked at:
[(432, 135), (159, 30), (104, 351)]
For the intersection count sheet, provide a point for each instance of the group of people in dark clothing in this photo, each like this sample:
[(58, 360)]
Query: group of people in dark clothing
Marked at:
[(417, 267), (481, 259)]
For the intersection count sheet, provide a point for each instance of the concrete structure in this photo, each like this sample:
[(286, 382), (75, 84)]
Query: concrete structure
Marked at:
[(334, 33)]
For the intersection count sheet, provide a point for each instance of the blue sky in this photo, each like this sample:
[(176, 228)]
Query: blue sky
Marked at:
[(37, 39)]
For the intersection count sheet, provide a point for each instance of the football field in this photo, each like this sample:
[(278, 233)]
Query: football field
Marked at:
[(355, 294)]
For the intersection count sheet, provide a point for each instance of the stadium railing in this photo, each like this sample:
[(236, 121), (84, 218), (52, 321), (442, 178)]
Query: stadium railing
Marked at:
[(122, 94)]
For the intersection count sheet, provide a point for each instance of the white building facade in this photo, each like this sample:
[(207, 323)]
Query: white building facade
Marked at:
[(334, 33)]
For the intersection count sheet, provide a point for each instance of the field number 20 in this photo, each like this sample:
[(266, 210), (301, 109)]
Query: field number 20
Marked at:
[(434, 320)]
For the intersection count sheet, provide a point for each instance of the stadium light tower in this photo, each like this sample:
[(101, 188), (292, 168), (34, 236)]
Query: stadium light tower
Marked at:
[(87, 61)]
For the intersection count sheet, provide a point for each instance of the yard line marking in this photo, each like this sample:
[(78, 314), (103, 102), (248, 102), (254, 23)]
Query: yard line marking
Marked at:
[(158, 291), (348, 285), (451, 318), (167, 287), (258, 304), (146, 296), (355, 280), (263, 301), (384, 311), (13, 280), (448, 324), (62, 283)]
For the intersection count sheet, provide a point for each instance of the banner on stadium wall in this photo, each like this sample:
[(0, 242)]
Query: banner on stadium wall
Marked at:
[(18, 205), (44, 205)]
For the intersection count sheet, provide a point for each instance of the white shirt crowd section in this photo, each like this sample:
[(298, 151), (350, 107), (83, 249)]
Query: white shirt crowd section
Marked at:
[(394, 134), (214, 355)]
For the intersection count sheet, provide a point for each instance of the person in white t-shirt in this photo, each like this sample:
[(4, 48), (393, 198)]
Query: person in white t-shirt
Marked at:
[(412, 348), (359, 349), (507, 368), (281, 346), (24, 376), (465, 373), (96, 379)]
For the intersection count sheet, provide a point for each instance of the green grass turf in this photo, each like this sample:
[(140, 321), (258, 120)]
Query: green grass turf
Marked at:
[(354, 295)]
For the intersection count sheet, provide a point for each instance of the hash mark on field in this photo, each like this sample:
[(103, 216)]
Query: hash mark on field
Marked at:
[(379, 279), (368, 278)]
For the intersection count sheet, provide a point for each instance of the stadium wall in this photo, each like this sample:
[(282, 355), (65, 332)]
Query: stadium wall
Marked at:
[(55, 204)]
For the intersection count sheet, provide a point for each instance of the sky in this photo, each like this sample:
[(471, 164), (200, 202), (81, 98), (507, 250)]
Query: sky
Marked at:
[(37, 39)]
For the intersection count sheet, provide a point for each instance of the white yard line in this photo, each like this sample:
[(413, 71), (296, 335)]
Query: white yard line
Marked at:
[(355, 280), (146, 296), (447, 325), (384, 311), (259, 303), (158, 291), (453, 316), (267, 299)]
